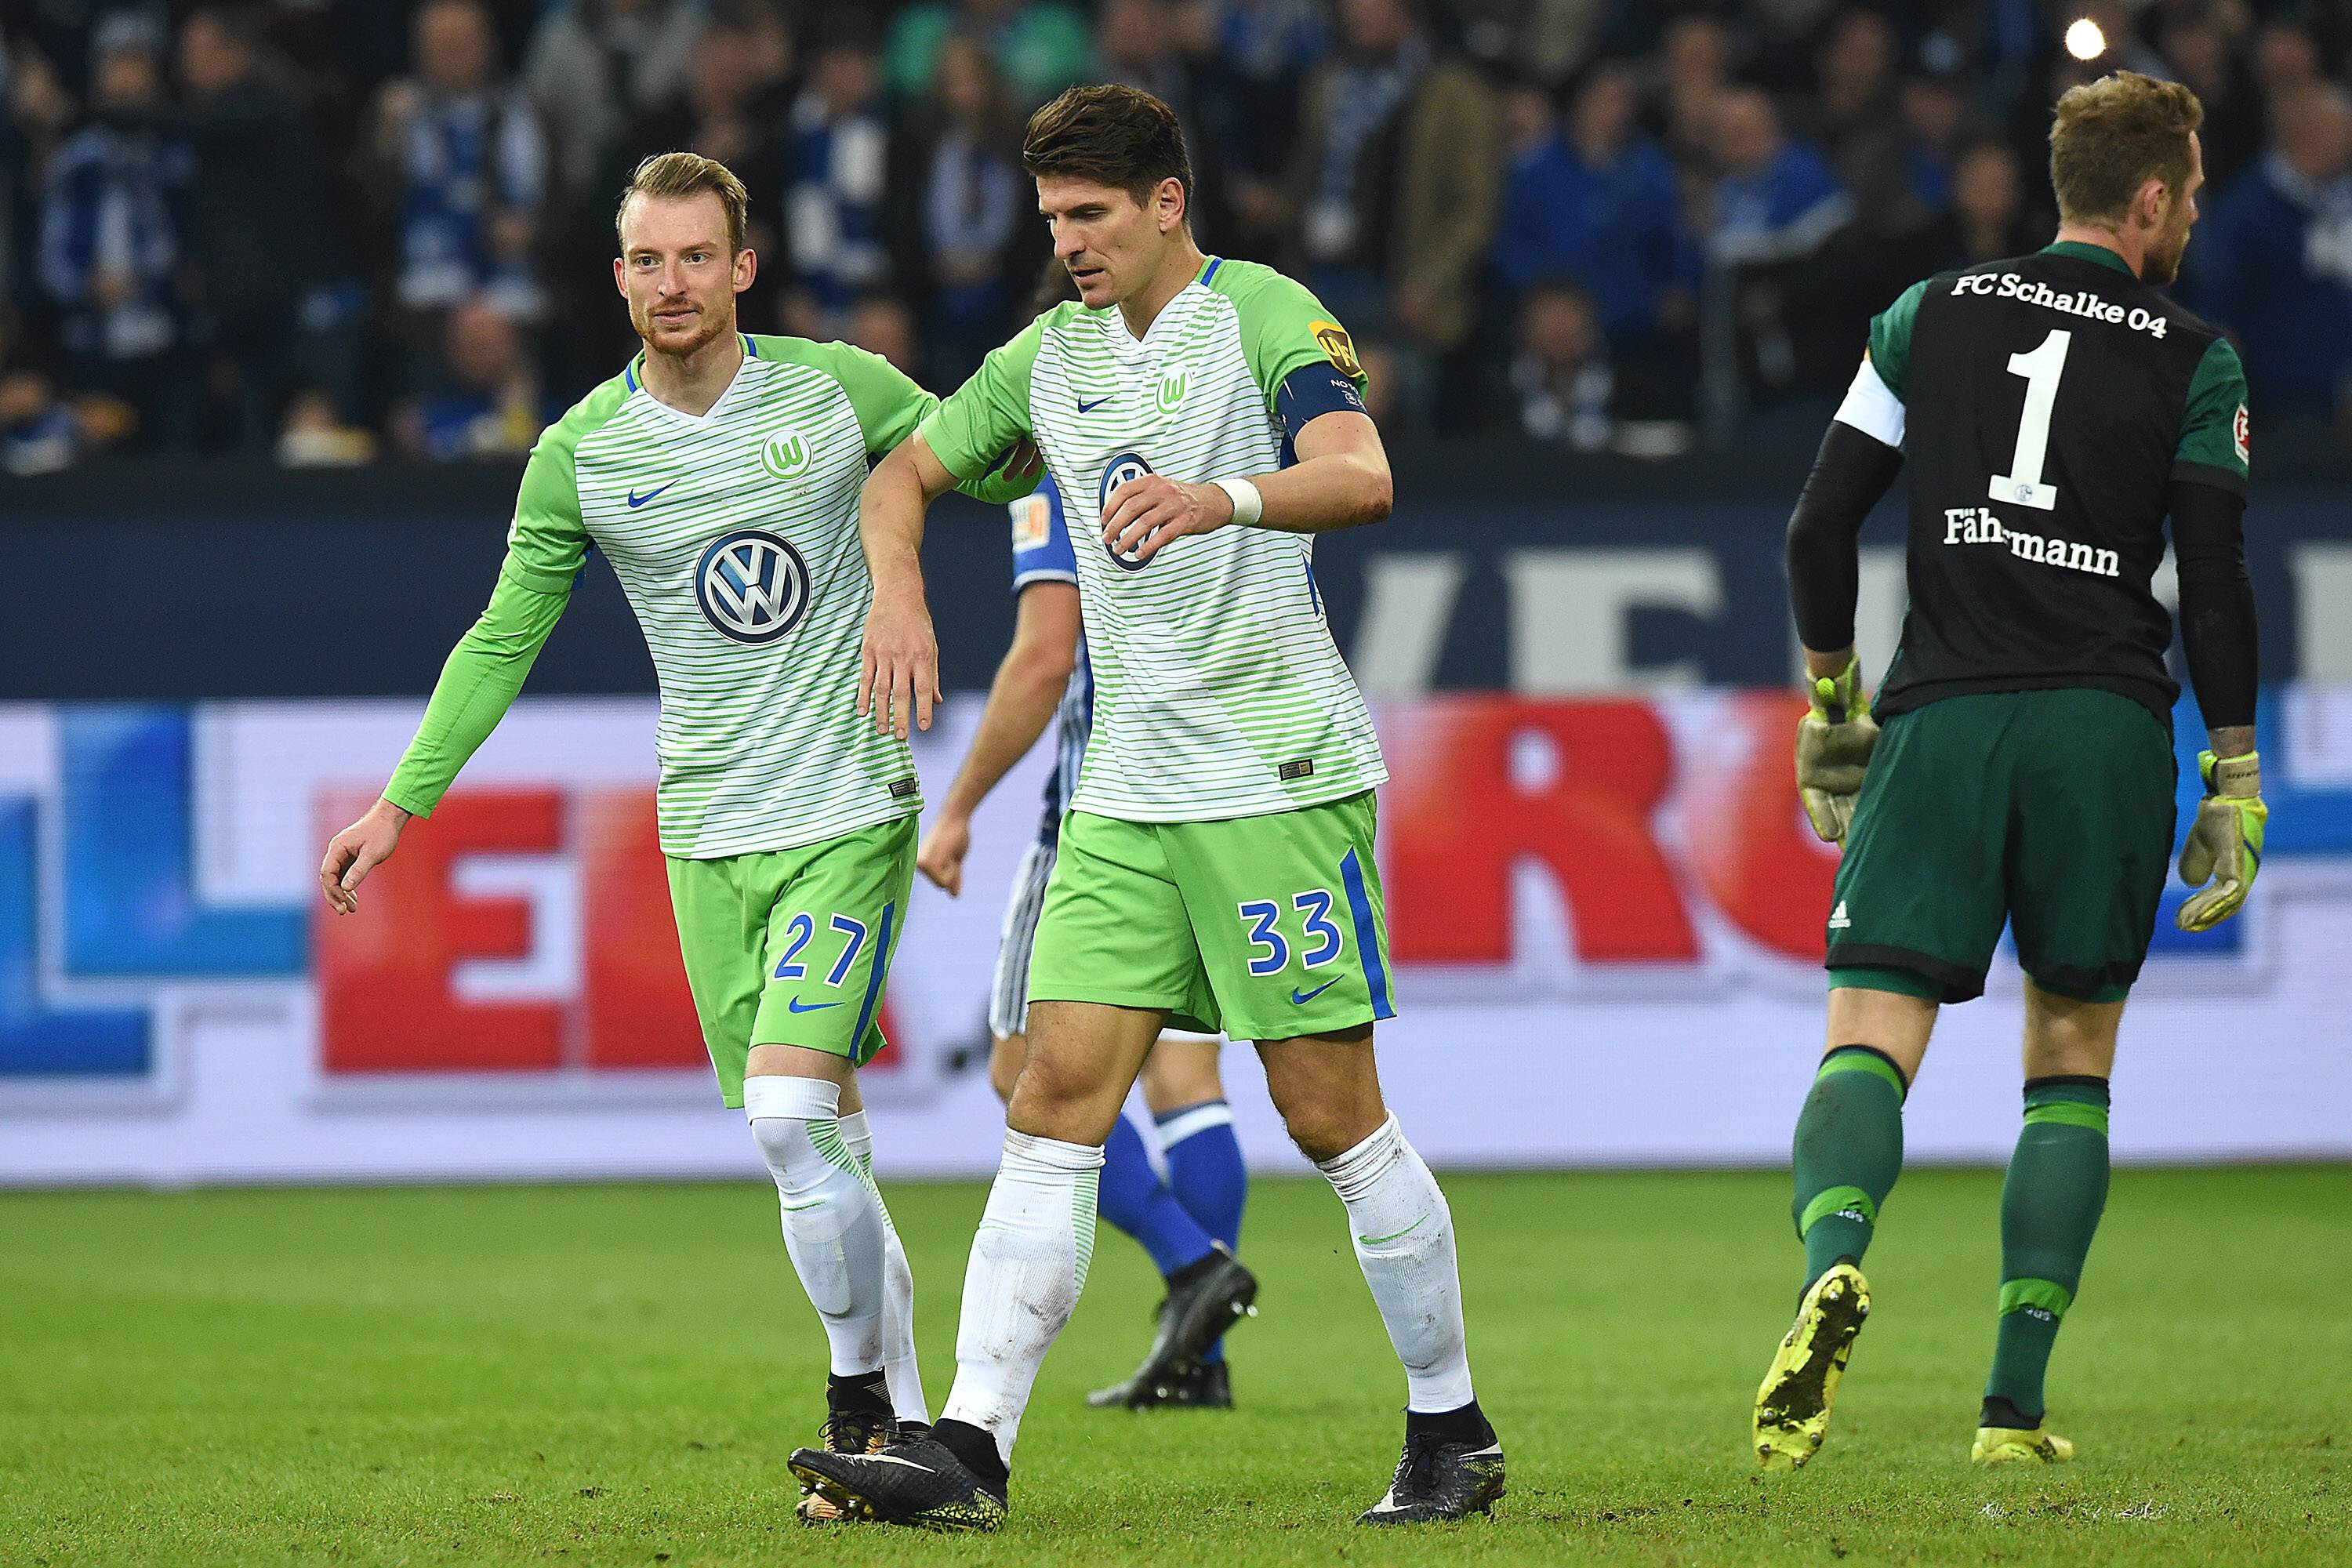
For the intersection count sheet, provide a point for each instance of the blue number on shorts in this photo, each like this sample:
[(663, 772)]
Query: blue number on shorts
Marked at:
[(856, 930), (1320, 932), (801, 929), (1262, 914)]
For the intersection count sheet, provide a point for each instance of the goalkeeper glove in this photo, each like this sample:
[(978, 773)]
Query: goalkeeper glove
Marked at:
[(1833, 745), (2225, 841)]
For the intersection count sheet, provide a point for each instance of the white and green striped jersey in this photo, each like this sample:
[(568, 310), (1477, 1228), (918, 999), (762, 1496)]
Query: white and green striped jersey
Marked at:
[(1218, 691), (734, 533)]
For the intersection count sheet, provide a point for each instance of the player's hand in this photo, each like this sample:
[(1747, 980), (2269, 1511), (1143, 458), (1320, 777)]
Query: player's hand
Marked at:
[(2225, 841), (940, 855), (899, 677), (357, 850), (1834, 740), (1148, 510)]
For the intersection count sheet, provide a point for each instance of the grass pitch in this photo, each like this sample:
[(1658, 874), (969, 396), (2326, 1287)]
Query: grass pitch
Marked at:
[(613, 1374)]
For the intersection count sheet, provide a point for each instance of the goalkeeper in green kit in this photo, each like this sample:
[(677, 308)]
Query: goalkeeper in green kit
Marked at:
[(719, 474), (2053, 411)]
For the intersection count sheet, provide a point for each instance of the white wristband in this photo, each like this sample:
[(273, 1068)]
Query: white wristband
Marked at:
[(1248, 505)]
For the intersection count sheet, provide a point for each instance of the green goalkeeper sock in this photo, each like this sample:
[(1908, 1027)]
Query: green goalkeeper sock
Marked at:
[(2050, 1208), (1849, 1150)]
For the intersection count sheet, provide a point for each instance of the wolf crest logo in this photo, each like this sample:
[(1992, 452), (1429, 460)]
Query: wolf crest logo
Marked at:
[(785, 454)]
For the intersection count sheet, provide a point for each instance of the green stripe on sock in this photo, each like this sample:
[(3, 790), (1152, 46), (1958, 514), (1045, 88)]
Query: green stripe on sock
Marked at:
[(2069, 1113), (1847, 1058), (1837, 1200), (2016, 1295), (825, 1137)]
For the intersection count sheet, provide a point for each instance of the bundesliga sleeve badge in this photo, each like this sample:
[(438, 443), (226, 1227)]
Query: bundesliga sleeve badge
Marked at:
[(1338, 347)]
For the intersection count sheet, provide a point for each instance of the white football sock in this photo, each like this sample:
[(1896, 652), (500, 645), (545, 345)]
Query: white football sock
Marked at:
[(1405, 1241), (1028, 1264), (897, 1290), (832, 1223)]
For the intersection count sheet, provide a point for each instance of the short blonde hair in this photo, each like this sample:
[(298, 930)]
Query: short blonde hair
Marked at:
[(2112, 136), (672, 175)]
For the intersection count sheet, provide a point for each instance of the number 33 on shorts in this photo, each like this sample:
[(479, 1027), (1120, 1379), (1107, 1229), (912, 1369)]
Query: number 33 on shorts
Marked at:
[(1270, 950), (1311, 959), (1264, 927)]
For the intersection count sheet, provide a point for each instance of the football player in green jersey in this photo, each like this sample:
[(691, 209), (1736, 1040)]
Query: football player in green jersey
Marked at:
[(1203, 420), (719, 474)]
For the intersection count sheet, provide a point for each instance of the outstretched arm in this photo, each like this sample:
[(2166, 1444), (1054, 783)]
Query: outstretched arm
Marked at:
[(1021, 702), (545, 548)]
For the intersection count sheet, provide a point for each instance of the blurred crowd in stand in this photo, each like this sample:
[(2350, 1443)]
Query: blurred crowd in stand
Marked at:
[(343, 230)]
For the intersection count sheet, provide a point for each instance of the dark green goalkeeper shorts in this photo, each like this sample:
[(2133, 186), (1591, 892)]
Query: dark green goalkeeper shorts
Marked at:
[(2049, 810)]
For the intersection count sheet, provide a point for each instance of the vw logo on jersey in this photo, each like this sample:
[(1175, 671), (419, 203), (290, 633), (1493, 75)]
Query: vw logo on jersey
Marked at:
[(1125, 466), (785, 454), (752, 587)]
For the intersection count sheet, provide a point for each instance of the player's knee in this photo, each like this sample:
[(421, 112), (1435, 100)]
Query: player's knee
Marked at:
[(1325, 1128), (2067, 1036), (1327, 1089), (1047, 1094), (779, 1110), (785, 1144)]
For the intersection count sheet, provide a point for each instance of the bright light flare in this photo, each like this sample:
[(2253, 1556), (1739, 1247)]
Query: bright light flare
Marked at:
[(2085, 41)]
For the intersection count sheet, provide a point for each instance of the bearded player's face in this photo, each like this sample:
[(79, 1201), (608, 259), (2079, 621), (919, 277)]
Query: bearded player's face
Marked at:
[(2162, 262), (1112, 243), (676, 272)]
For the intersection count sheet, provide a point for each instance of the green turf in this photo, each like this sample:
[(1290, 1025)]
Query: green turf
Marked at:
[(612, 1374)]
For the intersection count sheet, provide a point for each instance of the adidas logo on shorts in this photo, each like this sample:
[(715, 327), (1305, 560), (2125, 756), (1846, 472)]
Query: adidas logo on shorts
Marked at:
[(1837, 917)]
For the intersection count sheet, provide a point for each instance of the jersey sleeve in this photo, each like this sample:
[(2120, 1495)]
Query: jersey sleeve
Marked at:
[(1302, 358), (889, 402), (1041, 540), (971, 430), (1890, 337), (1872, 407), (2214, 428), (546, 546)]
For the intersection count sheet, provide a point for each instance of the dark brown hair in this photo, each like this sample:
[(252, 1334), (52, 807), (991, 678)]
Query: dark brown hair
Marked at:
[(669, 174), (1113, 135), (2112, 136)]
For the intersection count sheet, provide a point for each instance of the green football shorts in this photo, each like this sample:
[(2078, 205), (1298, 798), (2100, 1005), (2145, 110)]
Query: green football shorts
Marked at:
[(1264, 927), (2049, 810), (790, 947)]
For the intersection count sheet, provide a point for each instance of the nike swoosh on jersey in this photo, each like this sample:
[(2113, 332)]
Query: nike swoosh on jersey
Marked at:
[(636, 500), (1086, 407), (1300, 998), (795, 1006)]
